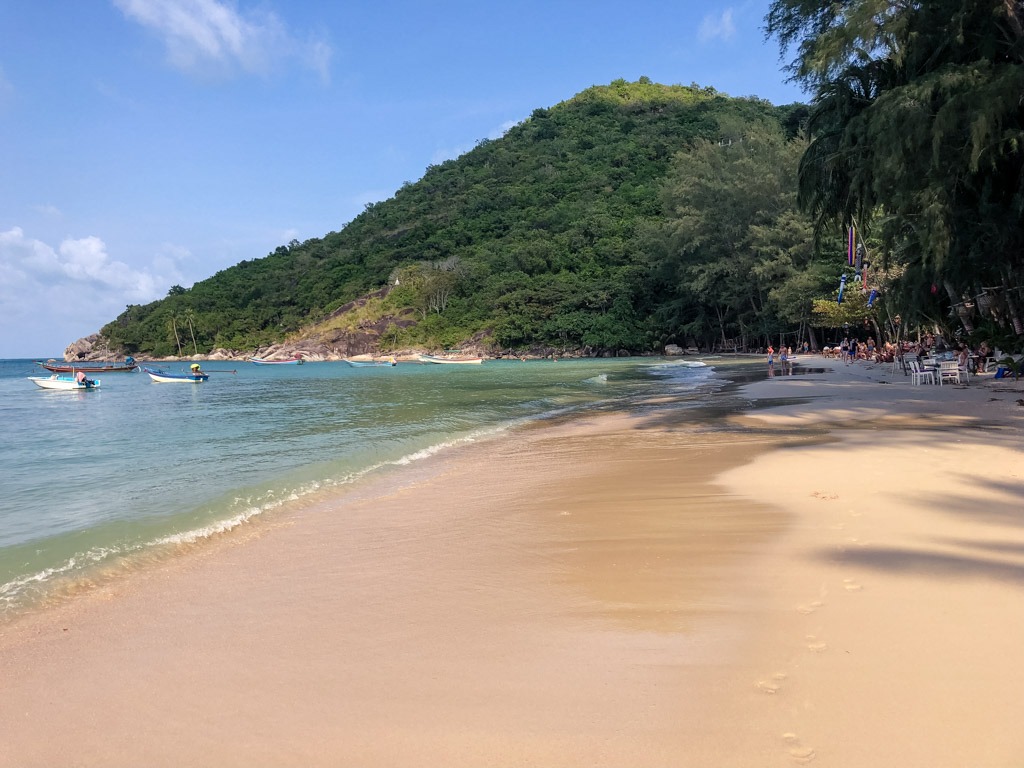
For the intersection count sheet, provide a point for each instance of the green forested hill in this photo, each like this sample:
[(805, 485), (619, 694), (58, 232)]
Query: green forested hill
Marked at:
[(553, 234)]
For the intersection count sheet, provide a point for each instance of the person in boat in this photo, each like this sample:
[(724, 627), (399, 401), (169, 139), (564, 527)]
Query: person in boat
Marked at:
[(82, 379), (196, 370)]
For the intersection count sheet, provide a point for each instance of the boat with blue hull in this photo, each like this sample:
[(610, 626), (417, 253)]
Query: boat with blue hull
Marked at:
[(169, 377)]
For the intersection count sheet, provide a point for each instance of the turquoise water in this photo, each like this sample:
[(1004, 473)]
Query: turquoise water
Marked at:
[(91, 478)]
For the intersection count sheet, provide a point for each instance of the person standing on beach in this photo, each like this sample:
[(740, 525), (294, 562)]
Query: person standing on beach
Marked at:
[(771, 361)]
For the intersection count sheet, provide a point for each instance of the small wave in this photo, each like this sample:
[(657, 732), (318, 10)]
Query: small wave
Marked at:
[(667, 365), (601, 378), (14, 591)]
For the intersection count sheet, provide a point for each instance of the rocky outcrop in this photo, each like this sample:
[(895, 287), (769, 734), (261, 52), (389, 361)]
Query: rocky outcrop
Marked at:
[(90, 348)]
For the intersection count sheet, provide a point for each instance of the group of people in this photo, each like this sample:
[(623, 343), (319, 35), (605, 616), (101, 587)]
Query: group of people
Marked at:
[(850, 350), (966, 359), (785, 357)]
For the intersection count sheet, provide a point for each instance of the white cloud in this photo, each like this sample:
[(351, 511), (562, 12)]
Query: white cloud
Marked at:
[(205, 37), (717, 27), (74, 286), (48, 209)]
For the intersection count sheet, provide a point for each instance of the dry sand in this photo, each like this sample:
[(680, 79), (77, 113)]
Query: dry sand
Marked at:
[(838, 579)]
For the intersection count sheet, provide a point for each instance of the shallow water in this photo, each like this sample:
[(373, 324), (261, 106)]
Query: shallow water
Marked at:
[(92, 478)]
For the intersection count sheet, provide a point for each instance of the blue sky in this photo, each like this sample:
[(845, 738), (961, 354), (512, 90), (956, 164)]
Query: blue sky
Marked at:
[(148, 143)]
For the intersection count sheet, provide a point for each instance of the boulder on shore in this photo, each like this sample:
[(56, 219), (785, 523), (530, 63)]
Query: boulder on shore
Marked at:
[(90, 348)]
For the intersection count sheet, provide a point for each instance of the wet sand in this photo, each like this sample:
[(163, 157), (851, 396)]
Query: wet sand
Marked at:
[(653, 590)]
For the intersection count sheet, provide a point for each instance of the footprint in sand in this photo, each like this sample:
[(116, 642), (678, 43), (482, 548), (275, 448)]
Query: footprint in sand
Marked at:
[(798, 751), (814, 605), (771, 685), (851, 586), (825, 496), (814, 644), (808, 608)]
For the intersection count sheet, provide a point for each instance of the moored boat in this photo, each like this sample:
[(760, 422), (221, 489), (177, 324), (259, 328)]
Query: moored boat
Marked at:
[(168, 377), (371, 363), (53, 366), (266, 361), (64, 382), (451, 360)]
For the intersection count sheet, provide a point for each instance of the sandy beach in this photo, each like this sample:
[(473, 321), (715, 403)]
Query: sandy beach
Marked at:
[(833, 574)]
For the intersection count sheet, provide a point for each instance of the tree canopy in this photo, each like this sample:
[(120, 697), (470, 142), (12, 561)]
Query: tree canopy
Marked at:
[(916, 134)]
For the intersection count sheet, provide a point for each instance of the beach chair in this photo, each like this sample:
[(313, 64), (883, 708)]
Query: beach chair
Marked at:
[(901, 362), (949, 371), (920, 375)]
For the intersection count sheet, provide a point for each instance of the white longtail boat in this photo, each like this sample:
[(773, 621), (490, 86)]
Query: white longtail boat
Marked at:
[(64, 382), (166, 377), (379, 363), (265, 361), (451, 360)]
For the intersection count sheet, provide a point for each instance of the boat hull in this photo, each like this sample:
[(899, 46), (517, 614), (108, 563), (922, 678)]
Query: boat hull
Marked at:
[(261, 361), (163, 377), (63, 382), (64, 368), (371, 363), (451, 360)]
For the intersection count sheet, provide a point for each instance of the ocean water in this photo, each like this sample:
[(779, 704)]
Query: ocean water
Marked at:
[(89, 480)]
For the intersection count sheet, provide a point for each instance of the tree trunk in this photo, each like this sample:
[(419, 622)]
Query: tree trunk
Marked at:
[(878, 332), (195, 347), (1018, 326), (721, 326), (177, 339), (958, 306)]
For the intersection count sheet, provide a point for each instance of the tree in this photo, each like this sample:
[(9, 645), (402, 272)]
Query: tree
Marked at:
[(189, 318), (172, 322), (917, 128), (735, 244)]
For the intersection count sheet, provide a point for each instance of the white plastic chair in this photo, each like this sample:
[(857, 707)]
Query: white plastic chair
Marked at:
[(919, 375), (949, 371)]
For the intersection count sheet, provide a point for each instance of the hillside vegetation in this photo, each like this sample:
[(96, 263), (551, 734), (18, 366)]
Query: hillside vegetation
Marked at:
[(629, 216)]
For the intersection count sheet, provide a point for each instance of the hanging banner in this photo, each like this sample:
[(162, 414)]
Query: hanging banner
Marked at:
[(842, 287)]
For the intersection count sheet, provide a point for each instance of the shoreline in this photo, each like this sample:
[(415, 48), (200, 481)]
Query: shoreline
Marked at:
[(615, 590)]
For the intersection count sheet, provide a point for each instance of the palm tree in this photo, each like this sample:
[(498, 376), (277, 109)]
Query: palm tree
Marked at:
[(173, 322), (189, 317)]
